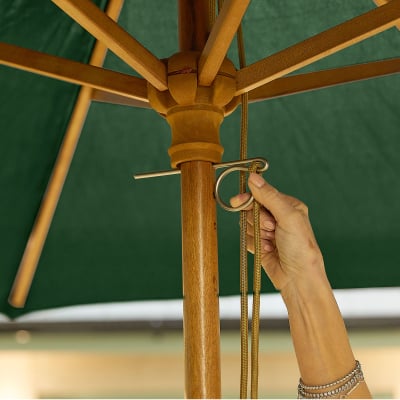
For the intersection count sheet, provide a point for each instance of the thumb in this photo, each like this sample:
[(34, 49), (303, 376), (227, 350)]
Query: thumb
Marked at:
[(277, 203)]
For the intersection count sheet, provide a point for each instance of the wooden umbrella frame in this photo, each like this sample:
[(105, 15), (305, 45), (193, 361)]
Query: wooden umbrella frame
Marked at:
[(194, 90)]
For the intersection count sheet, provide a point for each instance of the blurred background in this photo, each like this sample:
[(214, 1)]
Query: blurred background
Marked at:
[(135, 350)]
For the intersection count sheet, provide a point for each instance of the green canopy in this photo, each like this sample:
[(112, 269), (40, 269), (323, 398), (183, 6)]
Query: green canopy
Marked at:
[(116, 239)]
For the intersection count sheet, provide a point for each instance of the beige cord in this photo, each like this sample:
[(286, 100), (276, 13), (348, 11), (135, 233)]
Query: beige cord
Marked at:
[(244, 314), (244, 275), (255, 321), (244, 318)]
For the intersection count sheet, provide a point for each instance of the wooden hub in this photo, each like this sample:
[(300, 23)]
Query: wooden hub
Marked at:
[(194, 112)]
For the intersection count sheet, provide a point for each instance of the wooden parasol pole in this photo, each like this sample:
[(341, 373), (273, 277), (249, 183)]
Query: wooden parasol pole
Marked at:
[(200, 281), (199, 239), (193, 19), (195, 146), (195, 112)]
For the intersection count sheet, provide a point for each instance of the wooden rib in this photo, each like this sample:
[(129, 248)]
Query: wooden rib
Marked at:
[(300, 83), (38, 235), (103, 28), (220, 39), (106, 97), (193, 24), (382, 3), (318, 46), (73, 72)]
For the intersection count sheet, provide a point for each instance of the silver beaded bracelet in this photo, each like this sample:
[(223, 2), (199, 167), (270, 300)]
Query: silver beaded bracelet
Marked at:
[(348, 383)]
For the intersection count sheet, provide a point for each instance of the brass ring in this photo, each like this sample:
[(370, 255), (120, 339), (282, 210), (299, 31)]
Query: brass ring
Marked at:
[(218, 198), (263, 165)]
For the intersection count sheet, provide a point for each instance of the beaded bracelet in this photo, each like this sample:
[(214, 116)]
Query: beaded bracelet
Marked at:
[(348, 383)]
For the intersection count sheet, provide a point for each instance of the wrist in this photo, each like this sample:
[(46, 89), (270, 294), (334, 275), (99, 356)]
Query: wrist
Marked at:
[(318, 331), (311, 284)]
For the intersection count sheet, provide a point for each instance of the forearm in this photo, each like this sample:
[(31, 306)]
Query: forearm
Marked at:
[(319, 335), (294, 263)]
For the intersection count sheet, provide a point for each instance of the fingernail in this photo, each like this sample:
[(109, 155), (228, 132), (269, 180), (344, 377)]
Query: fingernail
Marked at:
[(256, 180)]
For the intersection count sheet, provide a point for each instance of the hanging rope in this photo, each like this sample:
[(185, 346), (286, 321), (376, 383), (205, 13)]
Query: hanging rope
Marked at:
[(244, 313), (244, 275), (255, 321), (244, 317)]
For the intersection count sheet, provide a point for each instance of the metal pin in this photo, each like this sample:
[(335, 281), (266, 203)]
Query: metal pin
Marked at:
[(157, 174), (231, 166), (262, 161)]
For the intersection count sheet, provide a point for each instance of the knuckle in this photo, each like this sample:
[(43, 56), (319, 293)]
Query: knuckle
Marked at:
[(303, 208), (297, 213)]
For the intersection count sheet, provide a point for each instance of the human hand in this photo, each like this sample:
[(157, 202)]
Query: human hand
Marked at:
[(290, 252)]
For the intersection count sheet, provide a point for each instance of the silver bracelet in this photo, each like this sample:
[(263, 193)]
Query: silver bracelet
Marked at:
[(348, 383)]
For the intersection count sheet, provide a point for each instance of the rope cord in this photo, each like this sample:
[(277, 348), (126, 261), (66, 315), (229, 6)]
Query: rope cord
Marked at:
[(244, 274), (244, 317), (255, 321), (244, 313)]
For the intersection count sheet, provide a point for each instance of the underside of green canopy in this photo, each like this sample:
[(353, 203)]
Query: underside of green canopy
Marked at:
[(116, 239)]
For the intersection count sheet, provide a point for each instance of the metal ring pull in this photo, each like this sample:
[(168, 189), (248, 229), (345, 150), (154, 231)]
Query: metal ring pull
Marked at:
[(243, 165)]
